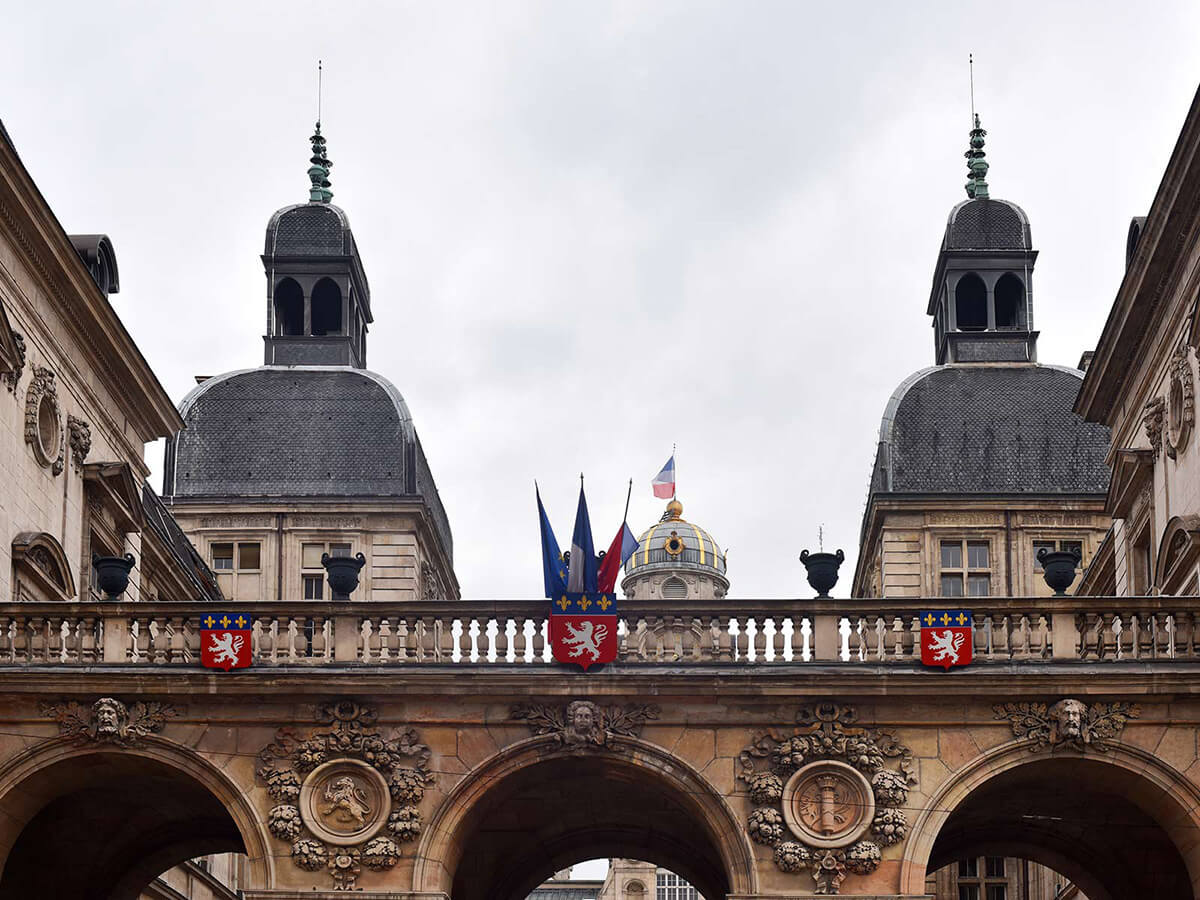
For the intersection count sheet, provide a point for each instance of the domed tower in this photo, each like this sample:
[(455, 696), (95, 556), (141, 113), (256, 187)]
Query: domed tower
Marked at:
[(981, 461), (310, 453), (676, 560)]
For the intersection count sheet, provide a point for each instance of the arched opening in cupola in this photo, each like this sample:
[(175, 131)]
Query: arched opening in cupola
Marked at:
[(1010, 301), (326, 308), (970, 303), (289, 308)]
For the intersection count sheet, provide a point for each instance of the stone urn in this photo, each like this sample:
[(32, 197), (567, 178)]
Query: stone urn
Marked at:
[(822, 570), (112, 573), (343, 572), (1058, 568)]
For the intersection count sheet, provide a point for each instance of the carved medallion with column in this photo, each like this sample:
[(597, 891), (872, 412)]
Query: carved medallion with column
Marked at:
[(824, 794)]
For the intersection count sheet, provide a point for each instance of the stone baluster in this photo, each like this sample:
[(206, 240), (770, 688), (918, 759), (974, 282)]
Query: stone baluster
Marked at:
[(501, 640), (519, 641), (385, 640), (445, 639), (539, 640), (464, 639), (483, 643)]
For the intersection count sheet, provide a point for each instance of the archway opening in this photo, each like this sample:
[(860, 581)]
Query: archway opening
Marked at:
[(103, 826), (326, 308), (970, 303), (561, 811), (1112, 832), (1010, 301), (289, 308)]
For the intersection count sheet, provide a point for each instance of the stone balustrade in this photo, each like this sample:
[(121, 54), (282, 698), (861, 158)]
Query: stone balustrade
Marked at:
[(736, 632)]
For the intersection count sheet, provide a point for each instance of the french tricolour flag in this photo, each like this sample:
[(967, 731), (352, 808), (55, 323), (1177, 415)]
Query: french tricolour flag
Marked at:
[(664, 481)]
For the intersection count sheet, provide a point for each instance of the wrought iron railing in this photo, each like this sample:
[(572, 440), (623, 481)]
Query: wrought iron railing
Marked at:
[(735, 632)]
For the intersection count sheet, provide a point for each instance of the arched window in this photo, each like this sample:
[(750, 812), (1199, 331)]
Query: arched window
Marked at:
[(1010, 301), (289, 308), (674, 589), (326, 308), (970, 303)]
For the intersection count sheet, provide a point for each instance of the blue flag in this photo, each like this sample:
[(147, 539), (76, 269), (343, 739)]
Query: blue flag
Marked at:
[(582, 574), (554, 567)]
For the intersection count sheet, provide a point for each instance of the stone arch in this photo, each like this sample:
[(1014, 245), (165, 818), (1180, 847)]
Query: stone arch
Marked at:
[(1139, 785), (706, 845), (1178, 550), (171, 804)]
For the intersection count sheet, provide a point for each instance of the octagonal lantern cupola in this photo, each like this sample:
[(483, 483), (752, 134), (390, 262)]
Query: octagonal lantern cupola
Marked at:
[(676, 560), (318, 300)]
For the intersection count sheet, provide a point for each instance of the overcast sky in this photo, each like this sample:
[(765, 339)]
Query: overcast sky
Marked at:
[(594, 229)]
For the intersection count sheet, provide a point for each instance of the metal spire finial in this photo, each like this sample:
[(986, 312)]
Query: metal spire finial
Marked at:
[(318, 172), (977, 166)]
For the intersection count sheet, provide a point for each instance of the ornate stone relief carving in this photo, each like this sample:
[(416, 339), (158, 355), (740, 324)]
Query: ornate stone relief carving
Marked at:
[(1067, 723), (828, 783), (431, 584), (11, 379), (1181, 401), (1153, 416), (43, 420), (338, 789), (109, 720), (582, 724), (80, 439)]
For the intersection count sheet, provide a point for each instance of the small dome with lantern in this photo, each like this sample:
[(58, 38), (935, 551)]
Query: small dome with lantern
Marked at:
[(676, 560)]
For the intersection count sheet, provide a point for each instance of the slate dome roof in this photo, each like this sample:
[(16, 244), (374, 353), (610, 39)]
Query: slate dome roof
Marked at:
[(674, 543), (300, 431), (986, 224), (309, 229), (989, 429)]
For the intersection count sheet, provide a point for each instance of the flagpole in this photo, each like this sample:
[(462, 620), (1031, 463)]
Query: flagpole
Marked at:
[(675, 465), (628, 494)]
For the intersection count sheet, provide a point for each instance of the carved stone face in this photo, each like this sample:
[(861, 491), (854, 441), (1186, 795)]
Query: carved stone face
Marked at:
[(582, 718), (108, 714), (1068, 714)]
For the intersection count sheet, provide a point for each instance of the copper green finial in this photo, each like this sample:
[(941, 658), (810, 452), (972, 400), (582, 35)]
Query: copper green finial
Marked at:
[(977, 166), (318, 172)]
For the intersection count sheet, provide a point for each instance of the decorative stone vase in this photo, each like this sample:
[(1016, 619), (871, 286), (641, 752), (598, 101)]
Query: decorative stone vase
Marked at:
[(1058, 568), (112, 573), (342, 572), (822, 570)]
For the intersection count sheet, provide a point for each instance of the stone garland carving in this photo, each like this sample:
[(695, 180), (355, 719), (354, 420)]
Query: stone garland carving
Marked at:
[(80, 439), (582, 724), (1153, 416), (43, 389), (828, 783), (340, 787), (108, 720), (11, 379), (1067, 723), (1181, 406)]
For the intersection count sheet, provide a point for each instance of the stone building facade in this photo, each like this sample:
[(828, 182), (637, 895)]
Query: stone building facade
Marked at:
[(1142, 385)]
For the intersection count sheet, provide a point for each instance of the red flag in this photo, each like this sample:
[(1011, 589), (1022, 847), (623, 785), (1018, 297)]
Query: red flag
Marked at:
[(618, 552)]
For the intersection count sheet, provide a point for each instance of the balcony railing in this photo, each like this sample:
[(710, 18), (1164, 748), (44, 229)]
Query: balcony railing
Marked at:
[(735, 632)]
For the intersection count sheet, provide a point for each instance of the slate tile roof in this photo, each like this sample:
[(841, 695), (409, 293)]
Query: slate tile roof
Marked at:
[(987, 225), (990, 429), (159, 519), (308, 229), (297, 432)]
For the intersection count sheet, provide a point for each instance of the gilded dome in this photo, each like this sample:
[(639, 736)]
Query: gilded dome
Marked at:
[(673, 544)]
